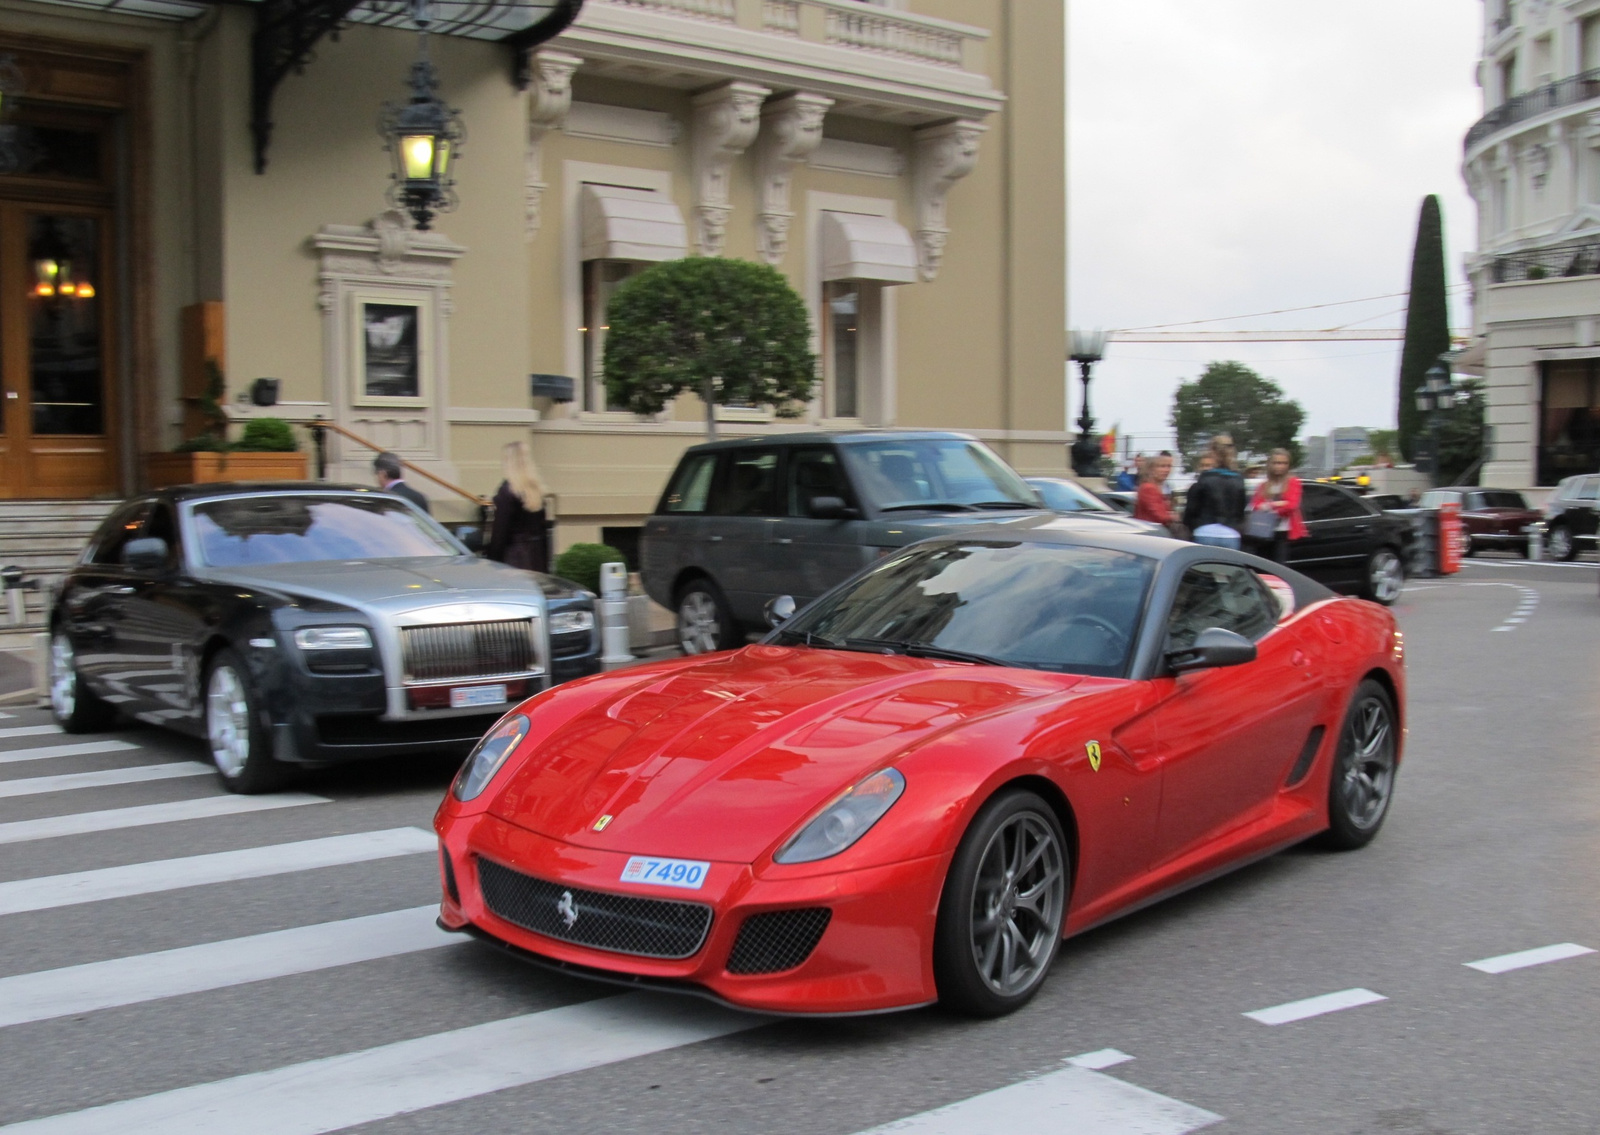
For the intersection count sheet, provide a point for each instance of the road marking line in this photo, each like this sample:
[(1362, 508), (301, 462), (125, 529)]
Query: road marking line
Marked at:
[(48, 994), (1099, 1059), (30, 730), (1074, 1100), (1315, 1006), (7, 715), (114, 819), (1514, 621), (1504, 628), (336, 1092), (81, 749), (51, 891), (37, 785), (1524, 958)]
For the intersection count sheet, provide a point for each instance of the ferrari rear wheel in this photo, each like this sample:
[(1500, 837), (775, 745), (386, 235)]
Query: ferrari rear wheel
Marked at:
[(1363, 769), (240, 747), (1000, 915)]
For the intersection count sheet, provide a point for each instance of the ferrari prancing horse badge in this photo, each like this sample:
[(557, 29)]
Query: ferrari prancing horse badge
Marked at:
[(1093, 749)]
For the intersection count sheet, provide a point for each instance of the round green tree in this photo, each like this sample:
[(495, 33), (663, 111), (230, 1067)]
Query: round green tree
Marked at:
[(732, 331)]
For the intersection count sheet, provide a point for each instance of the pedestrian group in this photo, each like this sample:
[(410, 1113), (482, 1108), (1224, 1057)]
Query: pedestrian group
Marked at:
[(1218, 510)]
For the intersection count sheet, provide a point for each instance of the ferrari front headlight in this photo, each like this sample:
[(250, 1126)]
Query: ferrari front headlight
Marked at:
[(846, 820), (487, 757)]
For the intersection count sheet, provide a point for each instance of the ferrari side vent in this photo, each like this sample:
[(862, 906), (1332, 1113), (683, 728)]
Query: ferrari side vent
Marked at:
[(778, 940), (622, 924), (450, 887), (1302, 764)]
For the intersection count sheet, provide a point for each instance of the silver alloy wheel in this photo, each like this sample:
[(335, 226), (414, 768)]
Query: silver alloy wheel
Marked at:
[(1017, 903), (1367, 779), (1388, 576), (1558, 544), (698, 624), (63, 677), (228, 720)]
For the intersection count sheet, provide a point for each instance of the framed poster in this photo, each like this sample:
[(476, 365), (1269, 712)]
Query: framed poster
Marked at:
[(391, 350)]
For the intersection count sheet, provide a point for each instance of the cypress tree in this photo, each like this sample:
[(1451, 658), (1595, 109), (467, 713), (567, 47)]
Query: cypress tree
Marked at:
[(1427, 321)]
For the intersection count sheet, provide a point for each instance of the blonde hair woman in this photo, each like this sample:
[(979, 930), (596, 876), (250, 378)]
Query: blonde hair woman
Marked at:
[(1214, 510), (1279, 499), (521, 535)]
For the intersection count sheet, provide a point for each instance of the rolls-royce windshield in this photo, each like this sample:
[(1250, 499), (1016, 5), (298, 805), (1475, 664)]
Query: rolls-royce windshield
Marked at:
[(246, 531)]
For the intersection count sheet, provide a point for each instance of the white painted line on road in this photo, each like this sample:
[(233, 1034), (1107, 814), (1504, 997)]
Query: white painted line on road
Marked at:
[(37, 785), (29, 730), (1524, 958), (79, 749), (1315, 1006), (48, 994), (1502, 628), (1074, 1100), (50, 891), (7, 715), (336, 1092), (114, 819), (1099, 1059)]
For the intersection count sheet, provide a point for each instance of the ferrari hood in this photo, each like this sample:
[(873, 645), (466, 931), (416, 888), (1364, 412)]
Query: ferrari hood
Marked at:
[(720, 759)]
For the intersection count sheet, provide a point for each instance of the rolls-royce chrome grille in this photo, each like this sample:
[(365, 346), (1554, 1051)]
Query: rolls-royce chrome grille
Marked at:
[(449, 651)]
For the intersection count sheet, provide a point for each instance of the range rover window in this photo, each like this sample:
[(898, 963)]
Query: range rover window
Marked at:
[(936, 473), (245, 531), (749, 484), (691, 485)]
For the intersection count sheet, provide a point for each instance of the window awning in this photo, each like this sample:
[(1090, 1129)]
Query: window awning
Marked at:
[(618, 223), (475, 19), (858, 246)]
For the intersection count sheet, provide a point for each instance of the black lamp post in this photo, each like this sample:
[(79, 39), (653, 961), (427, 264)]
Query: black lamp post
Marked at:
[(1086, 349), (423, 135), (1436, 394)]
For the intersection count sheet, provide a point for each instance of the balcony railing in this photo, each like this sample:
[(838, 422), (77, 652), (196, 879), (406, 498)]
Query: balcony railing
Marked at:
[(1562, 261), (1552, 96)]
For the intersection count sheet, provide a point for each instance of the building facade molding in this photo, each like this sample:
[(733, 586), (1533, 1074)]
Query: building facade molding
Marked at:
[(864, 158), (549, 101), (791, 129), (605, 123), (726, 120), (944, 155)]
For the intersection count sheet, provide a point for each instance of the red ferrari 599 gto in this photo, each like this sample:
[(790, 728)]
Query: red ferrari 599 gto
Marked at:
[(913, 789)]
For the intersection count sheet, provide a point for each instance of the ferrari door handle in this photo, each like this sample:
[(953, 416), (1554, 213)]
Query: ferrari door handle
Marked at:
[(714, 539), (786, 539), (125, 589)]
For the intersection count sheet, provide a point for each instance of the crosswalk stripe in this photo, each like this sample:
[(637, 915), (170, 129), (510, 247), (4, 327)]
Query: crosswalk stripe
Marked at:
[(86, 988), (29, 731), (1075, 1099), (51, 891), (37, 785), (77, 749), (1315, 1006), (114, 819), (1504, 963), (336, 1092)]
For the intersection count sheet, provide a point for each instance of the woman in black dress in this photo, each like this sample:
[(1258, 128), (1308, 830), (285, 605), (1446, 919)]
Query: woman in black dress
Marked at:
[(520, 534)]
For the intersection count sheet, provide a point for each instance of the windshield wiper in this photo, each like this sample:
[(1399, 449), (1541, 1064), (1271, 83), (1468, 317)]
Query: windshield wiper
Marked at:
[(930, 506), (928, 650), (1005, 504)]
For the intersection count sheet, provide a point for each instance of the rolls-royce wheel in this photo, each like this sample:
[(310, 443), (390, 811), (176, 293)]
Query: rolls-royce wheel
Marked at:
[(1559, 544), (1000, 915), (76, 708), (1385, 576), (240, 745), (704, 622), (1363, 769)]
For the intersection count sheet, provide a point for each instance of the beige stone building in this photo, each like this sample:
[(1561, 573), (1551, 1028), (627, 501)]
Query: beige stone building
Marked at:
[(902, 163)]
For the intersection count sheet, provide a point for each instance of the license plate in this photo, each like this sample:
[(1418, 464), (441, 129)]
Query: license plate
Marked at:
[(463, 696), (685, 873)]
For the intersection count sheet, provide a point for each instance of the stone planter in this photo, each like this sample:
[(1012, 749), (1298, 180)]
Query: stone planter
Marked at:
[(163, 469)]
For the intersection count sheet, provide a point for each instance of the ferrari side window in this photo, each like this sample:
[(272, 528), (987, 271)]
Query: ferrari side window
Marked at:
[(1220, 595)]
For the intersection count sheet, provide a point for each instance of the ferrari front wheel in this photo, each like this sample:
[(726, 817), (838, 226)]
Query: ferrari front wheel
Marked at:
[(1000, 915)]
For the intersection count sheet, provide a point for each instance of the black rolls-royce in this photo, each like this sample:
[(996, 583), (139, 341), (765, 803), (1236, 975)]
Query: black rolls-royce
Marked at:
[(303, 624)]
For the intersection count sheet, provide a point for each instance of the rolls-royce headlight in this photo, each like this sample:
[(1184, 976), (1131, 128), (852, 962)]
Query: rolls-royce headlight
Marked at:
[(333, 638), (571, 622), (488, 756), (846, 820)]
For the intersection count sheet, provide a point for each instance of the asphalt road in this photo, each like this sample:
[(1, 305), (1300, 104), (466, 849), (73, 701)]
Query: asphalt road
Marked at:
[(379, 1024)]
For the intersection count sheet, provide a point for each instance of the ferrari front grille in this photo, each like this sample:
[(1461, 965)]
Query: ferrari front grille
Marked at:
[(448, 651), (777, 940), (622, 924)]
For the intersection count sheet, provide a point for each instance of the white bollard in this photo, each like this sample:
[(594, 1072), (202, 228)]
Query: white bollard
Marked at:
[(614, 614), (1536, 540)]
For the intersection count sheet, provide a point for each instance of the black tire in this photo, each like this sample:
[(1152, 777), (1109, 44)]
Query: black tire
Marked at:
[(704, 623), (1361, 786), (1383, 576), (76, 708), (970, 959), (236, 732), (1560, 544)]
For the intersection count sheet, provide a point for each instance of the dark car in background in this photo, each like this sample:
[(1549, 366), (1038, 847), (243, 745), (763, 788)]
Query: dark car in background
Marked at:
[(744, 521), (292, 624), (1490, 518), (1572, 517), (1353, 546)]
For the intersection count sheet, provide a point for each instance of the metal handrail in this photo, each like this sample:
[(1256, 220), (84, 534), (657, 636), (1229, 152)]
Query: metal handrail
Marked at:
[(1552, 96), (319, 427)]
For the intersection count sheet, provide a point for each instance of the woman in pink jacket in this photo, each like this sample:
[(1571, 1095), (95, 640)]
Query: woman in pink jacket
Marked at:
[(1278, 495)]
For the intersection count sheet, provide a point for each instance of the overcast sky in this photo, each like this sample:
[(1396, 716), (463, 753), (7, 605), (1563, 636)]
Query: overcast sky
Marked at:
[(1237, 156)]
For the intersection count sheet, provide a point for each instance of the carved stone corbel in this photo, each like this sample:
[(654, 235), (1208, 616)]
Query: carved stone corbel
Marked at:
[(726, 119), (549, 99), (791, 129), (944, 155)]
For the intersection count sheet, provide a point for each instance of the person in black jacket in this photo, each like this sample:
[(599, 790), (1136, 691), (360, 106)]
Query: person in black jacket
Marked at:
[(389, 471), (520, 534), (1214, 510)]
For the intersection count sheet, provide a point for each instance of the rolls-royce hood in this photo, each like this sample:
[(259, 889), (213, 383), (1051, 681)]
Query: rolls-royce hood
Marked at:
[(393, 583), (721, 758)]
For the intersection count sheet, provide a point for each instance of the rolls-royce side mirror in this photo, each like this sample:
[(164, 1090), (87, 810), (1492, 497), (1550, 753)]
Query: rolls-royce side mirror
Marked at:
[(779, 610), (148, 553), (831, 508), (1212, 647)]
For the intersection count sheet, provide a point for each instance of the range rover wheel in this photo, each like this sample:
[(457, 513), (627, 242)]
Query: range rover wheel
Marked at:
[(1363, 769), (1559, 544), (1384, 578), (75, 707), (240, 746), (704, 623)]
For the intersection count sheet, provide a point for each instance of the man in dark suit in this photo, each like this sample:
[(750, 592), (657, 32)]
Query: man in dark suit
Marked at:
[(389, 471)]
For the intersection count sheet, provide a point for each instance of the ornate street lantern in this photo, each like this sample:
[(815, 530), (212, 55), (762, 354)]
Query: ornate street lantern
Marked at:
[(423, 136), (1086, 348)]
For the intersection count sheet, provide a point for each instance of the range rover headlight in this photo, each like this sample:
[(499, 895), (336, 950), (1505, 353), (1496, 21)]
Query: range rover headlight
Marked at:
[(571, 622), (846, 820), (487, 757), (333, 638)]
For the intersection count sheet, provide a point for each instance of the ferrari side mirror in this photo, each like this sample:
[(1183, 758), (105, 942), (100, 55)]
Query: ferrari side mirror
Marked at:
[(1212, 647), (779, 610)]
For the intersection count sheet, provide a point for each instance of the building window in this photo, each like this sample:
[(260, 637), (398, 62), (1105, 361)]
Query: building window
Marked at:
[(1544, 61), (1508, 77), (601, 279), (1569, 420), (841, 334), (1589, 47)]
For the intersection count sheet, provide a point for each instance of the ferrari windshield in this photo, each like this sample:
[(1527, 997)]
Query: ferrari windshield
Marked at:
[(245, 531), (935, 473), (1037, 606)]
